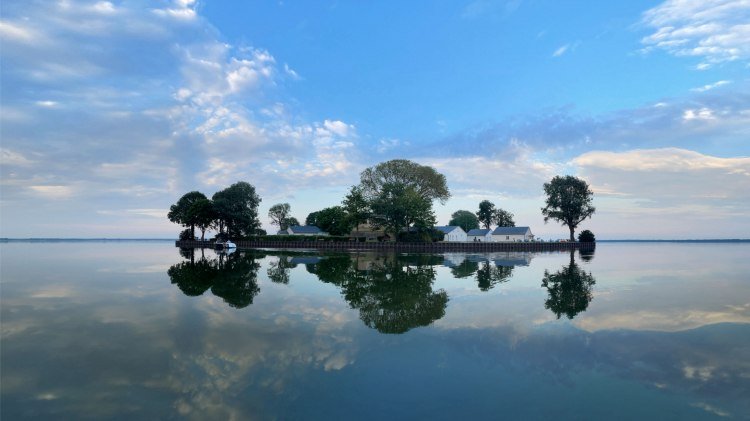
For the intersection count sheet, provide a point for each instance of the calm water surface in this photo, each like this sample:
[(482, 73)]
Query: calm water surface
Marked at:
[(139, 330)]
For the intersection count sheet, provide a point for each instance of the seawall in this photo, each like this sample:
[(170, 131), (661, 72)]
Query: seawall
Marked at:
[(400, 247)]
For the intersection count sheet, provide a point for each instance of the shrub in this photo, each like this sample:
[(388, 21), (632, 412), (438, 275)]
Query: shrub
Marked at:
[(186, 235), (586, 236)]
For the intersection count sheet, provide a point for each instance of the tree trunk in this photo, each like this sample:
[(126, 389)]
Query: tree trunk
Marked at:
[(572, 232)]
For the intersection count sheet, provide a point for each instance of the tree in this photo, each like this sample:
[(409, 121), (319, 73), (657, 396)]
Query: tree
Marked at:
[(279, 214), (568, 202), (464, 219), (398, 207), (312, 219), (486, 213), (236, 208), (334, 220), (423, 180), (292, 222), (400, 194), (356, 207), (503, 218), (586, 236), (203, 215), (179, 213)]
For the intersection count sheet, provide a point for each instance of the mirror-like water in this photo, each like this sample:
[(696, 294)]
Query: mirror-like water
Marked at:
[(144, 330)]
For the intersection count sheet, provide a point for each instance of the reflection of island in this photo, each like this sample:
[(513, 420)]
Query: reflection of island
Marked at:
[(392, 293), (569, 289), (232, 277)]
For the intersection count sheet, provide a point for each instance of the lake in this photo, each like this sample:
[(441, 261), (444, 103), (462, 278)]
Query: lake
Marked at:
[(141, 330)]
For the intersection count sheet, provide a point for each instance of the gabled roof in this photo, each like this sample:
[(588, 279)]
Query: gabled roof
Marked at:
[(477, 231), (306, 229), (511, 231), (447, 228)]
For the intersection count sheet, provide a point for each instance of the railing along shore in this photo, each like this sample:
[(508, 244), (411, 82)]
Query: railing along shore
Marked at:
[(393, 246)]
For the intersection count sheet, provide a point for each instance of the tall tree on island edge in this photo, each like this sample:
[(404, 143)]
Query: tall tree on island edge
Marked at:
[(568, 202)]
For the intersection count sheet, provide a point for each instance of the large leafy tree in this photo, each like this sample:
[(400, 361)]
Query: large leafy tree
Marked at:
[(357, 207), (179, 213), (279, 214), (464, 219), (569, 201), (203, 215), (503, 218), (334, 220), (312, 219), (401, 192), (399, 207), (486, 213), (236, 209)]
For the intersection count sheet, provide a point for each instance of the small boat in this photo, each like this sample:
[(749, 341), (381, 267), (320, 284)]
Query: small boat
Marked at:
[(225, 245)]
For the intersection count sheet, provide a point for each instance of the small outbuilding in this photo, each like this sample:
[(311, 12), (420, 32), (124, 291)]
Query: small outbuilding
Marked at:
[(302, 230), (512, 234), (479, 235), (453, 233)]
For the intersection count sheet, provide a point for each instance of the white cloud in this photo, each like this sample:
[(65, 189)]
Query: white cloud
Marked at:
[(698, 114), (560, 51), (710, 86), (53, 192), (715, 30)]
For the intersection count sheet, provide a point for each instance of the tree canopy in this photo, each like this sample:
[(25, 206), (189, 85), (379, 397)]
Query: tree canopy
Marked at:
[(400, 194), (279, 214), (569, 289), (180, 212), (569, 201), (488, 214), (236, 209), (356, 206), (464, 219), (333, 220)]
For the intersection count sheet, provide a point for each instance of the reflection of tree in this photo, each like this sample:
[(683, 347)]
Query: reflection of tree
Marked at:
[(586, 255), (490, 275), (278, 271), (465, 269), (393, 293), (570, 290), (233, 278)]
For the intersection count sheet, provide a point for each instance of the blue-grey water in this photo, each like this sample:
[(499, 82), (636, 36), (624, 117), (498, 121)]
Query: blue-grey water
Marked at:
[(138, 330)]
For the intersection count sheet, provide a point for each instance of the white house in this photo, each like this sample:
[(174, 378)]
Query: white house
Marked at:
[(512, 234), (452, 233), (481, 235), (302, 230)]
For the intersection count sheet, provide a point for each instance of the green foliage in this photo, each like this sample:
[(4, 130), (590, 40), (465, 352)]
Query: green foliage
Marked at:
[(179, 213), (398, 207), (236, 208), (486, 213), (503, 218), (334, 220), (586, 236), (186, 235), (356, 207), (312, 219), (292, 222), (464, 219), (421, 179), (279, 214), (202, 214), (490, 275), (568, 202)]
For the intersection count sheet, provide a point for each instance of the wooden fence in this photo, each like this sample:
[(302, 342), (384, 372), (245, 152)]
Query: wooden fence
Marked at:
[(399, 247)]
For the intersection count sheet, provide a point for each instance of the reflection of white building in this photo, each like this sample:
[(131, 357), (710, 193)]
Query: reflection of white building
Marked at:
[(452, 233), (482, 235), (512, 234)]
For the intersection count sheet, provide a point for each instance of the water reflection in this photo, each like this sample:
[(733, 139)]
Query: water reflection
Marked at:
[(232, 277), (569, 289), (392, 293)]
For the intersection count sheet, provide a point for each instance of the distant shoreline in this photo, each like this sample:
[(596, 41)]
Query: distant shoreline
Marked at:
[(77, 240)]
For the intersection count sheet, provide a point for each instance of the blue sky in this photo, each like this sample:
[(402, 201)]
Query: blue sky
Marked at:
[(112, 110)]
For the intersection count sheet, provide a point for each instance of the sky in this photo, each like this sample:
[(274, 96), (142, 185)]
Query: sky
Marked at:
[(113, 110)]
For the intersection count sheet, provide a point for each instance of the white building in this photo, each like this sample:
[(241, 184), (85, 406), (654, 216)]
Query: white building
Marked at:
[(453, 233), (512, 234), (481, 235)]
